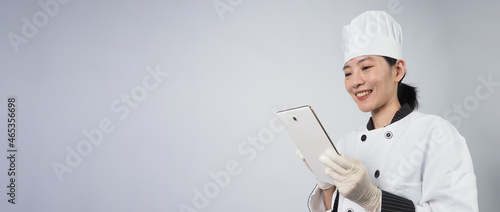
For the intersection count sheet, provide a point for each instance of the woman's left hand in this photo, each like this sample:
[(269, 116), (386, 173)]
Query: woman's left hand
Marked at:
[(352, 180), (321, 185)]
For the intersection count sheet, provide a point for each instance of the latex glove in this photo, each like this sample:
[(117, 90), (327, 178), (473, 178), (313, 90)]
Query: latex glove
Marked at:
[(352, 180), (321, 185)]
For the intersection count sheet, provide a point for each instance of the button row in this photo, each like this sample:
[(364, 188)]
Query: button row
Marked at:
[(387, 135)]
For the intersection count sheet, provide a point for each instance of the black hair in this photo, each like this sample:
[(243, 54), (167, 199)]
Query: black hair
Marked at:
[(407, 94)]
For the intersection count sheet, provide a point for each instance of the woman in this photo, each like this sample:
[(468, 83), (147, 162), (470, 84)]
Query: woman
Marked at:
[(401, 160)]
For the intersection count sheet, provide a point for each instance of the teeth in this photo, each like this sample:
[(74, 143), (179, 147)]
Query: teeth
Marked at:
[(363, 93)]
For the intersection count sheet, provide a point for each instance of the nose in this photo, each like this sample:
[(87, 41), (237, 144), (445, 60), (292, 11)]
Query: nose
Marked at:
[(357, 79)]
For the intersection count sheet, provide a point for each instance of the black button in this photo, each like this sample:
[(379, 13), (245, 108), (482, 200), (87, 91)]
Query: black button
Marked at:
[(363, 138), (377, 173), (388, 134), (349, 210)]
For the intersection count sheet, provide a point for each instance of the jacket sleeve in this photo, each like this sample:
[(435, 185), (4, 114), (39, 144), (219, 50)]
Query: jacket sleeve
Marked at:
[(448, 180), (391, 202), (315, 202)]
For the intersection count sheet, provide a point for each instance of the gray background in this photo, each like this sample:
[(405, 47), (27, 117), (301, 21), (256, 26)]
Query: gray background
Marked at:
[(228, 73)]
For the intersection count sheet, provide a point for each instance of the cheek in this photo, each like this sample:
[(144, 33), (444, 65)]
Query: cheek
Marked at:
[(376, 80), (347, 87), (384, 86)]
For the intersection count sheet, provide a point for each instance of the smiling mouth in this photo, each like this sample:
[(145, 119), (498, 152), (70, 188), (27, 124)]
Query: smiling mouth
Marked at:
[(364, 93)]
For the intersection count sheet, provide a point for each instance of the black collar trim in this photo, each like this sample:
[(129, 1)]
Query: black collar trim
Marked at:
[(401, 113)]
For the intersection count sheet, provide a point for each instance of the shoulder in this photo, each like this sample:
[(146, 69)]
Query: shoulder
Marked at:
[(429, 120), (432, 127)]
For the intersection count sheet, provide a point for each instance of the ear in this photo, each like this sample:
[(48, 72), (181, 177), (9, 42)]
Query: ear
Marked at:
[(400, 70)]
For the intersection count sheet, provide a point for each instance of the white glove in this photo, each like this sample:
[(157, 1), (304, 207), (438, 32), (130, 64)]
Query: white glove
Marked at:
[(352, 180), (321, 185)]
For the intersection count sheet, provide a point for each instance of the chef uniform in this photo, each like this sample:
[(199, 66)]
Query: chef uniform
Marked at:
[(420, 162)]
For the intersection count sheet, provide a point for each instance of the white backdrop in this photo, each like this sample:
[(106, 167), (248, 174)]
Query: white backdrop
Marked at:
[(169, 105)]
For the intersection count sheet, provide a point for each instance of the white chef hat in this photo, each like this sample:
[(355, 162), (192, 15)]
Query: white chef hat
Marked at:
[(373, 33)]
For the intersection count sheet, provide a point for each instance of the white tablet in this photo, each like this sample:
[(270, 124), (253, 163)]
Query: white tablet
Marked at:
[(309, 136)]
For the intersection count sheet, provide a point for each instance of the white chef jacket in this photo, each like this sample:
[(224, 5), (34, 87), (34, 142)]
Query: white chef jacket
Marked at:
[(420, 157)]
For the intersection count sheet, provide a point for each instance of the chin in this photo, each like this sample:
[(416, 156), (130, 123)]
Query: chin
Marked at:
[(364, 110), (364, 106)]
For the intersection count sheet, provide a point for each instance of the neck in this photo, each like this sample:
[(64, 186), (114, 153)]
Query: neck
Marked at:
[(383, 116)]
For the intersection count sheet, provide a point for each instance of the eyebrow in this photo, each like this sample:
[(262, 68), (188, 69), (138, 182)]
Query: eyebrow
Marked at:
[(359, 61)]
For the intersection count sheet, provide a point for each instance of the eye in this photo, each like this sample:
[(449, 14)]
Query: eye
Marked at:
[(366, 68), (347, 74)]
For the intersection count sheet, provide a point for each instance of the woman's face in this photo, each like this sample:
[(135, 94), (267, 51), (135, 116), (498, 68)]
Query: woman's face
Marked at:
[(371, 82)]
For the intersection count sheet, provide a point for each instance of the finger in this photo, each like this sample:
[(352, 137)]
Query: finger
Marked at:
[(342, 160), (332, 165), (299, 154), (352, 160), (330, 152), (334, 175)]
